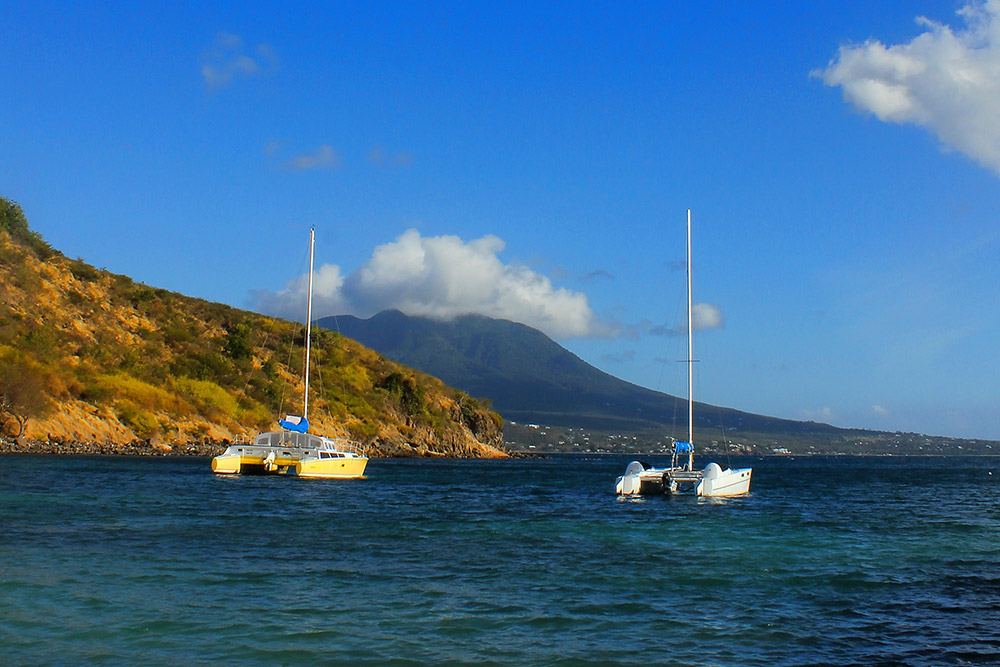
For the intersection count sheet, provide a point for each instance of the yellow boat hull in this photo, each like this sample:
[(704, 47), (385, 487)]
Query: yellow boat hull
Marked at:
[(227, 464), (325, 468), (284, 453), (333, 468)]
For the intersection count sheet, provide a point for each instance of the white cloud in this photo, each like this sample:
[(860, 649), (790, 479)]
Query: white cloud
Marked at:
[(272, 147), (378, 157), (704, 316), (824, 415), (290, 303), (944, 80), (226, 61), (442, 277), (324, 156), (879, 411)]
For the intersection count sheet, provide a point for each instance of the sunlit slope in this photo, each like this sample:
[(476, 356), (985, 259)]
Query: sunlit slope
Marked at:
[(110, 360)]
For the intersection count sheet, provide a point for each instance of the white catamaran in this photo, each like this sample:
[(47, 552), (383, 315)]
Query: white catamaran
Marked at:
[(681, 477), (293, 449)]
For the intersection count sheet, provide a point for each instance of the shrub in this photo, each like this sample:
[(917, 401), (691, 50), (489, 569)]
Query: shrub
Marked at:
[(12, 218), (252, 411), (42, 341), (142, 422), (210, 398), (14, 222), (123, 282), (176, 332), (237, 340), (120, 388), (83, 272), (362, 430), (210, 366), (75, 298), (22, 390), (406, 389), (142, 294)]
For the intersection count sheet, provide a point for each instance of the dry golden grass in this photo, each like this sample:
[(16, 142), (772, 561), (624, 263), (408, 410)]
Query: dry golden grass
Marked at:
[(122, 360)]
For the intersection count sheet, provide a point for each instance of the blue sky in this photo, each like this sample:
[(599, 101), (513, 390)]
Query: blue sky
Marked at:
[(536, 161)]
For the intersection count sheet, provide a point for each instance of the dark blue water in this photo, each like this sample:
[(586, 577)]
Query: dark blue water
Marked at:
[(867, 561)]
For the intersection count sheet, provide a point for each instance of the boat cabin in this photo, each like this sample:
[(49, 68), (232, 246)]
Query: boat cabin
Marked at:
[(289, 439)]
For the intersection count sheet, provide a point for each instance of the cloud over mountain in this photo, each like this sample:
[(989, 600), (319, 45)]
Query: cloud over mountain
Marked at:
[(441, 277), (945, 80)]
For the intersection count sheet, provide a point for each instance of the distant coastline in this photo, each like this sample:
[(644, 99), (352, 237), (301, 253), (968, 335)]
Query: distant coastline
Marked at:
[(57, 447)]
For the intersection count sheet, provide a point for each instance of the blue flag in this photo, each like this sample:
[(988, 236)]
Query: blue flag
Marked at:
[(294, 423)]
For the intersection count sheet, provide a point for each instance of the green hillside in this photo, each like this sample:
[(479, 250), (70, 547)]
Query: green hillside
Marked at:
[(88, 355)]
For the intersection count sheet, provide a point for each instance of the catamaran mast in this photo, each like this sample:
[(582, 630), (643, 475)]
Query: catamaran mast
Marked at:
[(690, 361), (309, 310)]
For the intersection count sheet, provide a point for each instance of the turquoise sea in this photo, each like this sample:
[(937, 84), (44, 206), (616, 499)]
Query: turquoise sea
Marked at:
[(829, 561)]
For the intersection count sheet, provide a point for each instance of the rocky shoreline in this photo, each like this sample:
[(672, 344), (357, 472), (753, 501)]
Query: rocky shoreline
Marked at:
[(134, 448), (55, 445)]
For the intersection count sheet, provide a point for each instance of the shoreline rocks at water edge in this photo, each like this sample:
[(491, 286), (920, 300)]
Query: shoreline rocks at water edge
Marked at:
[(53, 445)]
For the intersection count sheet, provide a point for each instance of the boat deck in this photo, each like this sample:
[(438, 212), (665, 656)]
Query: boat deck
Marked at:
[(282, 452)]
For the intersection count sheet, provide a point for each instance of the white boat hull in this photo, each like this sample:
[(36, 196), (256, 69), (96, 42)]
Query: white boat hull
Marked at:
[(630, 484), (718, 482), (681, 478), (712, 482)]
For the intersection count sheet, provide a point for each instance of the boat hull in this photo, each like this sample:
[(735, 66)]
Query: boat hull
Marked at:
[(630, 484), (345, 468), (680, 478), (712, 482), (719, 483), (227, 464), (256, 462), (284, 452)]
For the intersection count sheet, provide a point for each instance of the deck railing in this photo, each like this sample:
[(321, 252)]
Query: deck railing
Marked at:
[(302, 441)]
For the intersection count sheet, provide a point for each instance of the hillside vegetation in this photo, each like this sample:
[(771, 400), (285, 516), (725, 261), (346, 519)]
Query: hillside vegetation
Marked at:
[(90, 356)]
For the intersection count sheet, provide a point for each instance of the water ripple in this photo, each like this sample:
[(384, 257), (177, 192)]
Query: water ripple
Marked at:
[(829, 561)]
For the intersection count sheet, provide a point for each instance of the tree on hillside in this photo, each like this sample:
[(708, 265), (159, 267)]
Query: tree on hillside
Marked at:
[(14, 222), (411, 395), (12, 218), (237, 345), (22, 393)]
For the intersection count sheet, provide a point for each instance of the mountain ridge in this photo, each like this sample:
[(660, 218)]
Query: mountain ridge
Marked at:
[(520, 369), (529, 378)]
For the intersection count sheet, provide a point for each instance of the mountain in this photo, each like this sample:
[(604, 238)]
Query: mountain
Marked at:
[(92, 359), (529, 378)]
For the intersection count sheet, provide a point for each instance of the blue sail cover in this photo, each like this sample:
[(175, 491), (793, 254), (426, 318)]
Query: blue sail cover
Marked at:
[(683, 447), (294, 423)]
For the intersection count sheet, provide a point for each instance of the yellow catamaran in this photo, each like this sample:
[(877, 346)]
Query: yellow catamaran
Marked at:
[(293, 450)]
